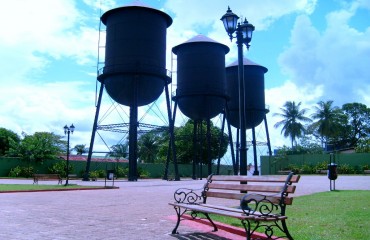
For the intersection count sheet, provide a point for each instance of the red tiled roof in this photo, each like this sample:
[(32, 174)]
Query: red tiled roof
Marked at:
[(93, 159)]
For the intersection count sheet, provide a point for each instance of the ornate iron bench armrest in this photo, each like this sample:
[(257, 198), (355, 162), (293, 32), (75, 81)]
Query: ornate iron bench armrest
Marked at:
[(188, 196), (263, 205)]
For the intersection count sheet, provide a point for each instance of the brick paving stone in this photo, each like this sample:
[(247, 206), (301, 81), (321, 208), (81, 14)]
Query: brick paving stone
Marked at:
[(137, 210)]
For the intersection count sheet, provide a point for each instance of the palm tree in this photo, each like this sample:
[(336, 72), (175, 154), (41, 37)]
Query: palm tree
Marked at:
[(148, 145), (327, 117), (293, 117), (119, 151), (80, 149)]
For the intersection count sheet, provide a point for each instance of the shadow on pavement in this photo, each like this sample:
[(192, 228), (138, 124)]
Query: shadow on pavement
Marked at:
[(198, 236)]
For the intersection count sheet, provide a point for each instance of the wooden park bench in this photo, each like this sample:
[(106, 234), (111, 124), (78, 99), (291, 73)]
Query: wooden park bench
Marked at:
[(37, 177), (260, 202), (322, 171)]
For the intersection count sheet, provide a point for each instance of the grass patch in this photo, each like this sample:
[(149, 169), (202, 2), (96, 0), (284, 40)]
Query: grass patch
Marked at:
[(34, 187), (327, 215)]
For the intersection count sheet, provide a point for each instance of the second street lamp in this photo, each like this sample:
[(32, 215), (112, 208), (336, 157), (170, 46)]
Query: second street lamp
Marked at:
[(67, 131), (243, 32)]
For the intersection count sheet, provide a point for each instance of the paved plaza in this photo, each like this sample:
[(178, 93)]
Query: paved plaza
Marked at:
[(137, 210)]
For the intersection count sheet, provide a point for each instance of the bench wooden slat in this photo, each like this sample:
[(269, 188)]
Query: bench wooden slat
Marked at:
[(253, 188), (43, 176), (238, 210), (238, 196), (228, 212), (281, 179)]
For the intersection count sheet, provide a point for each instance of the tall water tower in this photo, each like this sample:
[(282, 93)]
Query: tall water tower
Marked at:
[(135, 72), (201, 87)]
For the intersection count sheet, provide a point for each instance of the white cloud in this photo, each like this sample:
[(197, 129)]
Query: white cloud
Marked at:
[(276, 98), (32, 31), (336, 58)]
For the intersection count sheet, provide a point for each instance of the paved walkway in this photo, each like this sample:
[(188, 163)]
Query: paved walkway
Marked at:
[(137, 210)]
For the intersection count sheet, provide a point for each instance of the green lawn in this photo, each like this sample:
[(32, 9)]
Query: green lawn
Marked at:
[(328, 215), (35, 187)]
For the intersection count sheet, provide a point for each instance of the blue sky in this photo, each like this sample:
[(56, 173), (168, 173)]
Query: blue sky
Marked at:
[(314, 50)]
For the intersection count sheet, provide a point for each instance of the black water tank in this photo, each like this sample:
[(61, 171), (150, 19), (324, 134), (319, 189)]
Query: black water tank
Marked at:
[(254, 80), (201, 86), (135, 53)]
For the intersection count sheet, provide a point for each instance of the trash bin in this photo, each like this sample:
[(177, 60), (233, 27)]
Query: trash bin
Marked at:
[(110, 174), (332, 171)]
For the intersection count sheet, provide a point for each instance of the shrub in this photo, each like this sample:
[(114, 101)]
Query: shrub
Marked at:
[(15, 172), (294, 168), (19, 171), (345, 169), (321, 166), (27, 171), (60, 168), (308, 169), (142, 173), (94, 175), (121, 172)]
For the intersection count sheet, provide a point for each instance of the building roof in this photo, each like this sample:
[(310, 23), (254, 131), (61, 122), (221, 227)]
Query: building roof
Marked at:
[(83, 158)]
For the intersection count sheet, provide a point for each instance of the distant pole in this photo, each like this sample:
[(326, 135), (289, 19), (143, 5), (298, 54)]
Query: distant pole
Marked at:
[(67, 131)]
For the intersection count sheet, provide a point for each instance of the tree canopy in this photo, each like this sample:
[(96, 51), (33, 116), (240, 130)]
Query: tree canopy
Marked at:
[(7, 136), (292, 121), (334, 127), (38, 147)]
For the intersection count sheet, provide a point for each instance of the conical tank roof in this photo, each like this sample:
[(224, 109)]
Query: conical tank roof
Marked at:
[(136, 4), (200, 39), (246, 62)]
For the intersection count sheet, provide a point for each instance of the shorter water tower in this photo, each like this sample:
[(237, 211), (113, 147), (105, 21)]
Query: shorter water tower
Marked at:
[(254, 98), (254, 84), (201, 86)]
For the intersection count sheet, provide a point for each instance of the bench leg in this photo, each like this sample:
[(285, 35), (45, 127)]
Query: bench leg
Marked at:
[(286, 231), (178, 213), (247, 227), (215, 229)]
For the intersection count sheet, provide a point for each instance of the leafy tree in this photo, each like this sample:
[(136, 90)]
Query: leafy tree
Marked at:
[(358, 122), (5, 137), (119, 151), (38, 147), (363, 146), (80, 149), (293, 119), (184, 143)]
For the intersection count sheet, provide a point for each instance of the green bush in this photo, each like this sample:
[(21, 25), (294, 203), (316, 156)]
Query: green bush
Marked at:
[(345, 169), (320, 166), (15, 172), (19, 171), (27, 171), (101, 173), (121, 172), (142, 173), (293, 168), (94, 175), (60, 168), (308, 169)]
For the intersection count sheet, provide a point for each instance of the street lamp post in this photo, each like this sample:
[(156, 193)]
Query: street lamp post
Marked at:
[(243, 32), (67, 131)]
